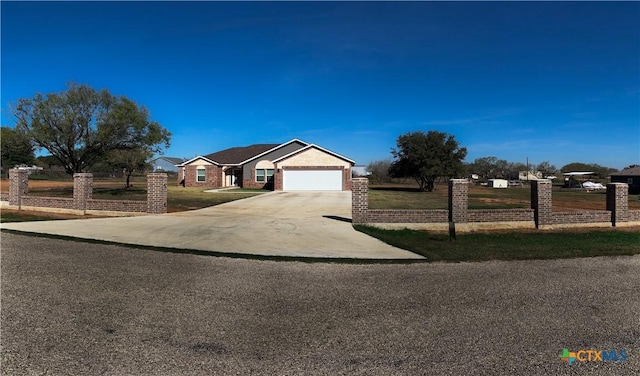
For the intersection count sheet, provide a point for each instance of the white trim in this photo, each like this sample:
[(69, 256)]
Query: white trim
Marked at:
[(317, 147), (578, 173), (198, 169)]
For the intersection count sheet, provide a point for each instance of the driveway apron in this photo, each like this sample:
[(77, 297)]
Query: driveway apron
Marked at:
[(298, 224)]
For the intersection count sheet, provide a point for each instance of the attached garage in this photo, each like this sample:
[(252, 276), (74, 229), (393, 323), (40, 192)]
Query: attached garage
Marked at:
[(312, 180), (312, 168)]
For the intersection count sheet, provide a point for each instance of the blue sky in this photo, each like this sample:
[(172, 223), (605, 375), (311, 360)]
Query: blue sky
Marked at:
[(550, 81)]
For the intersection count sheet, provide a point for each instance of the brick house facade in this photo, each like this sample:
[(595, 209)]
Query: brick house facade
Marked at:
[(294, 165)]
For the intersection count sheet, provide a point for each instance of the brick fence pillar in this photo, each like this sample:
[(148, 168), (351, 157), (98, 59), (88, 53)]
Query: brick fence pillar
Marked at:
[(458, 200), (541, 201), (82, 189), (359, 200), (618, 202), (156, 193), (18, 185)]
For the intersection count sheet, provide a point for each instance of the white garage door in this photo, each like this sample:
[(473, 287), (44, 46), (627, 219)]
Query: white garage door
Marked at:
[(312, 180)]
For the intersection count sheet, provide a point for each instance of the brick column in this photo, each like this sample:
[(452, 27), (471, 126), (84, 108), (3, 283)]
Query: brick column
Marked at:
[(277, 178), (82, 189), (359, 200), (346, 179), (458, 200), (541, 201), (18, 185), (618, 202), (156, 193)]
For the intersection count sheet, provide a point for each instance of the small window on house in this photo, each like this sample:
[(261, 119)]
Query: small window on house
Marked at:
[(201, 175), (264, 175)]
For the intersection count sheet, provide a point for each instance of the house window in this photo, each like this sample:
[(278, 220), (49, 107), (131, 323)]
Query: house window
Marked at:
[(201, 175), (264, 175)]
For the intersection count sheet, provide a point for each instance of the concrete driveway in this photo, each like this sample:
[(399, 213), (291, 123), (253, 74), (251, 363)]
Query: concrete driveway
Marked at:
[(299, 224)]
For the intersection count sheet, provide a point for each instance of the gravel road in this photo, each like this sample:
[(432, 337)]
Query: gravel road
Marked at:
[(73, 308)]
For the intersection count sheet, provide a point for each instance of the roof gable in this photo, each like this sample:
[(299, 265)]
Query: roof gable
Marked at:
[(314, 146), (185, 163)]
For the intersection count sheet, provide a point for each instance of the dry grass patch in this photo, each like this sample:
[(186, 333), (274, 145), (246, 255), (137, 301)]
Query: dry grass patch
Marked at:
[(408, 196)]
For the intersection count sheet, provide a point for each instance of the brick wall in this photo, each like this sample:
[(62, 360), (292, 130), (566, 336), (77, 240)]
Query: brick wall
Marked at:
[(213, 177), (540, 213), (82, 192), (541, 201), (618, 202), (156, 193), (458, 200), (49, 202), (18, 185), (584, 216), (500, 215), (4, 196), (407, 216), (252, 183), (82, 189), (359, 200), (634, 215), (346, 179), (117, 205), (277, 179)]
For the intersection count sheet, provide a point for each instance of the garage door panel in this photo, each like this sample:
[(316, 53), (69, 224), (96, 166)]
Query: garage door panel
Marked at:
[(312, 180)]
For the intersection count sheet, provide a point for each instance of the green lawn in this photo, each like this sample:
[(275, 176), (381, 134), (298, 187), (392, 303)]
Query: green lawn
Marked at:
[(510, 246), (407, 197), (180, 198)]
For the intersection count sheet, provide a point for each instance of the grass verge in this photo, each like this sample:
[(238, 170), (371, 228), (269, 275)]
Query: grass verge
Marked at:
[(510, 246)]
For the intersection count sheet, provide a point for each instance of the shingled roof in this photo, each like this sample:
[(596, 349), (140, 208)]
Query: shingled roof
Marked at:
[(239, 154), (174, 160), (629, 172)]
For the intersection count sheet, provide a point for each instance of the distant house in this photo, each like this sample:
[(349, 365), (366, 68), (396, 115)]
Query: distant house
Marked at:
[(292, 166), (166, 164), (529, 175), (630, 176)]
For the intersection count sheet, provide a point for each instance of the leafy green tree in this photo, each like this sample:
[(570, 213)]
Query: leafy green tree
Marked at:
[(547, 169), (47, 161), (130, 161), (489, 168), (515, 168), (425, 157), (80, 126), (15, 148), (600, 171)]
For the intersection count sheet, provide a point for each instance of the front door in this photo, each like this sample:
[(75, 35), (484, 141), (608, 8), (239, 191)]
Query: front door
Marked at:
[(232, 177)]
